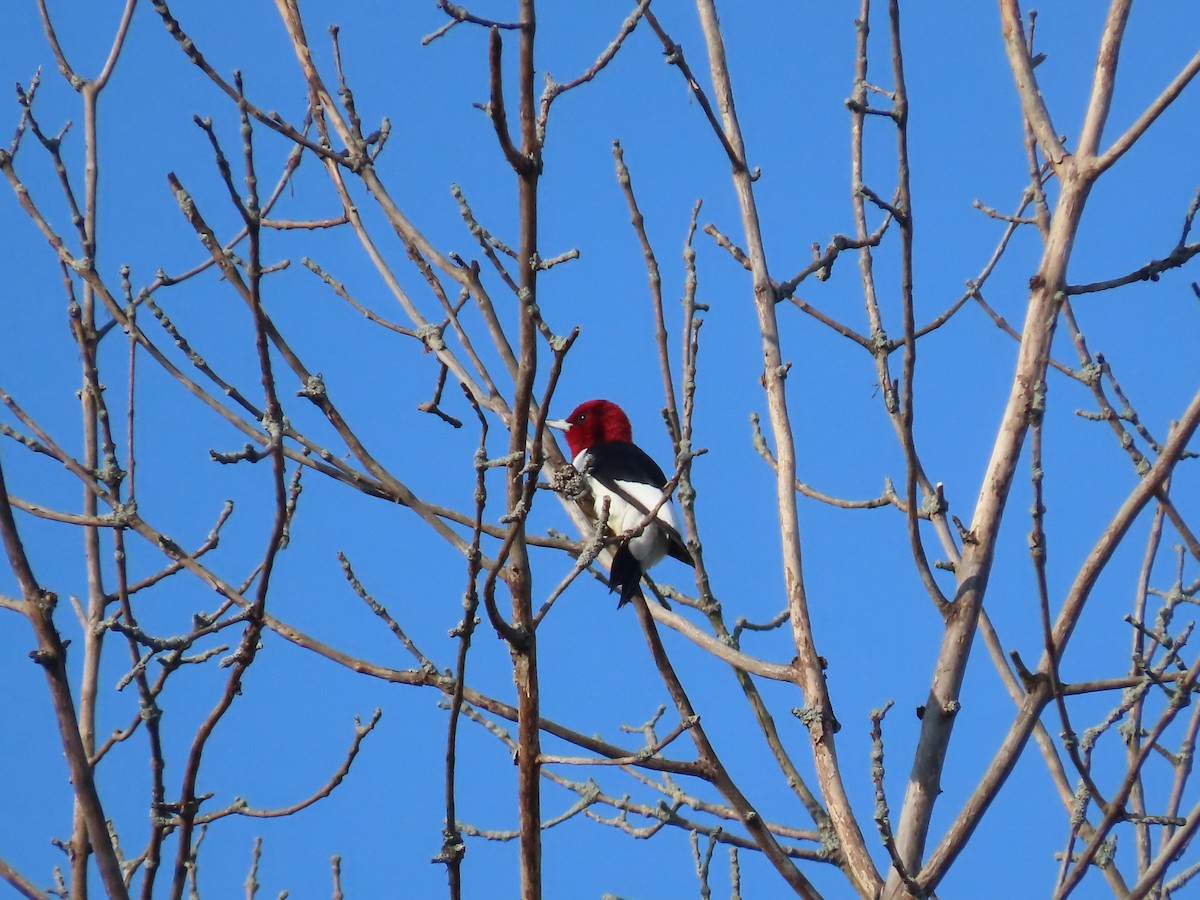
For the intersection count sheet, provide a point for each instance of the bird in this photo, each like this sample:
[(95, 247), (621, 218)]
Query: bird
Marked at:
[(601, 440)]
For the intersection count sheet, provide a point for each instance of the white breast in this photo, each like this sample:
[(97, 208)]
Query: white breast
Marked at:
[(650, 546)]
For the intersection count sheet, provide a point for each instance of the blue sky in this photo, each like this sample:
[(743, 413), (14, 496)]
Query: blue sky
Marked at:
[(792, 70)]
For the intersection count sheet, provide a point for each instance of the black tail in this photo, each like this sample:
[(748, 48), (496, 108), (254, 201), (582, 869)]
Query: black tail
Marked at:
[(679, 551), (626, 573)]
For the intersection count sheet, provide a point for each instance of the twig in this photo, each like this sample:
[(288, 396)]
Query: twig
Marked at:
[(240, 807)]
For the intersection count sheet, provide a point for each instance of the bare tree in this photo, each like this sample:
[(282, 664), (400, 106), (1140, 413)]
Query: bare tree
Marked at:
[(486, 337)]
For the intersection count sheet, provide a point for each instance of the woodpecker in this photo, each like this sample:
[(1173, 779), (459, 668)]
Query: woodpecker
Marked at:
[(601, 441)]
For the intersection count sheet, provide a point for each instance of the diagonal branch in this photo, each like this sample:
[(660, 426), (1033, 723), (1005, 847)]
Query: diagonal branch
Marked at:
[(1104, 79), (1028, 91), (51, 655), (821, 722), (1148, 117)]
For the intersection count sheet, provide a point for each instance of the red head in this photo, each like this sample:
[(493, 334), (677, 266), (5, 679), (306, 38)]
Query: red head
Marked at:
[(592, 423)]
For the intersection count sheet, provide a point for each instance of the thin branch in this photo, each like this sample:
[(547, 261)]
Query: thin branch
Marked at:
[(1030, 94), (1131, 135), (20, 883), (1149, 272), (675, 57), (240, 808), (554, 89), (51, 656)]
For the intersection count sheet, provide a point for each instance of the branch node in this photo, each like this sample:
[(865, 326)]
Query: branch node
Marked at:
[(314, 389)]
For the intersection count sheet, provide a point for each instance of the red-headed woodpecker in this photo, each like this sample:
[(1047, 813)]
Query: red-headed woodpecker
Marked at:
[(601, 441)]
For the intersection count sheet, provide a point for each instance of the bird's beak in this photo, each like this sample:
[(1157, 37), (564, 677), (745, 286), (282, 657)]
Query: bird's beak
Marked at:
[(560, 424)]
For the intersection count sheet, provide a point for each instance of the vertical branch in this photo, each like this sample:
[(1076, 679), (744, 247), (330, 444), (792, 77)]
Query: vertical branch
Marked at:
[(715, 771), (881, 816), (527, 164), (904, 219), (858, 117), (150, 715), (1138, 658), (243, 657), (83, 317), (1020, 60), (1105, 78), (811, 680), (655, 276), (681, 435), (975, 567), (51, 655), (452, 846), (690, 353), (149, 711), (897, 395), (1037, 172), (1184, 764)]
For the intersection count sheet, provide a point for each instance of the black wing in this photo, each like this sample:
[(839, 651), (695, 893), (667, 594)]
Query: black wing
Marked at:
[(623, 461), (614, 461)]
